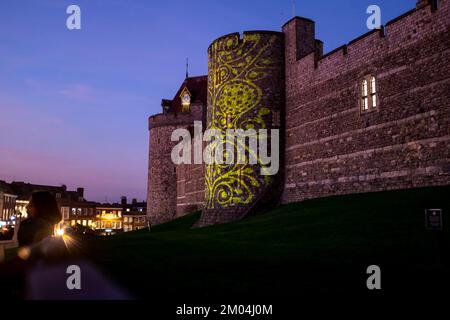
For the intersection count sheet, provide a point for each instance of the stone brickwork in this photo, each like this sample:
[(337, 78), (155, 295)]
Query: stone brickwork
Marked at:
[(245, 91), (332, 147), (331, 143), (190, 187), (162, 175)]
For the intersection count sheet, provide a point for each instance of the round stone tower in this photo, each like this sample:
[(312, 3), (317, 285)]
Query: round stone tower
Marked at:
[(162, 180), (245, 91), (167, 182)]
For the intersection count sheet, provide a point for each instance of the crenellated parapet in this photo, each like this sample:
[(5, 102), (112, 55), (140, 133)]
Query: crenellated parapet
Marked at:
[(328, 144), (173, 119), (333, 145)]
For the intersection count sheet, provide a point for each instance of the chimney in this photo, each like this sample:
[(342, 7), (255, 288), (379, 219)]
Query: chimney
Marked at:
[(123, 201), (134, 201), (80, 192)]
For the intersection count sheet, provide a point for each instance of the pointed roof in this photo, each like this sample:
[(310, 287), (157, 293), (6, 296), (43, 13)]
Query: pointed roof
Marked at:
[(197, 87)]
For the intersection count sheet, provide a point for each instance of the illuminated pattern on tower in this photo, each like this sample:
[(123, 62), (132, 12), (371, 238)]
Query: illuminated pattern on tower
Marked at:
[(245, 91)]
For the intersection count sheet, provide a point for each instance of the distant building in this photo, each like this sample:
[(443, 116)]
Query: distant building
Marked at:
[(7, 204), (105, 219), (109, 219), (134, 221), (79, 214), (134, 215), (74, 208)]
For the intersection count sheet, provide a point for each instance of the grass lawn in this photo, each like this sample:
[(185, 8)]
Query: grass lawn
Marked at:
[(317, 246)]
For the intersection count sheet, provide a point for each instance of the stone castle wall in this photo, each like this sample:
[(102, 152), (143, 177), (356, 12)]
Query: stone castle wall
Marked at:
[(190, 187), (163, 179), (334, 148), (162, 176), (329, 145)]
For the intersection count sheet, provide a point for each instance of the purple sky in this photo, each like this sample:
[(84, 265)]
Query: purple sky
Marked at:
[(74, 104)]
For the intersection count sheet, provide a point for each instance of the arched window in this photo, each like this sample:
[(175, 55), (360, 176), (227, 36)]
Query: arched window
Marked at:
[(369, 98)]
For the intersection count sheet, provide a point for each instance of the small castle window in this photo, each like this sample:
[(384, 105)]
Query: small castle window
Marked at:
[(365, 101), (369, 100), (373, 92)]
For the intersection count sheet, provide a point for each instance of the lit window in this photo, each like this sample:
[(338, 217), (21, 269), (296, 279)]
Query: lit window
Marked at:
[(365, 102), (369, 99), (373, 92), (65, 213)]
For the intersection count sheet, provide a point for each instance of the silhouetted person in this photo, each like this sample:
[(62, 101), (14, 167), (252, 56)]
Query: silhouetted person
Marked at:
[(43, 214)]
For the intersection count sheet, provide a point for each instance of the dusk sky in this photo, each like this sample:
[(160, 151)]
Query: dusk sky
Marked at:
[(74, 104)]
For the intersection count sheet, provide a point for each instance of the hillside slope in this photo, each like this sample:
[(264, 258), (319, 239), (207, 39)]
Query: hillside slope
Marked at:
[(317, 246)]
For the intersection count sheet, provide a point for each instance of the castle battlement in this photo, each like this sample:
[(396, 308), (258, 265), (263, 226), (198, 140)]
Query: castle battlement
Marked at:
[(173, 119), (399, 32), (232, 40), (371, 115)]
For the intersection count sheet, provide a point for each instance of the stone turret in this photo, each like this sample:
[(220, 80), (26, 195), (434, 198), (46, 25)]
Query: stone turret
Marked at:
[(245, 91)]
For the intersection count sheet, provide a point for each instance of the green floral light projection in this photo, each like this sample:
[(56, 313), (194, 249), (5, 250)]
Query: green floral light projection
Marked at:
[(240, 93)]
